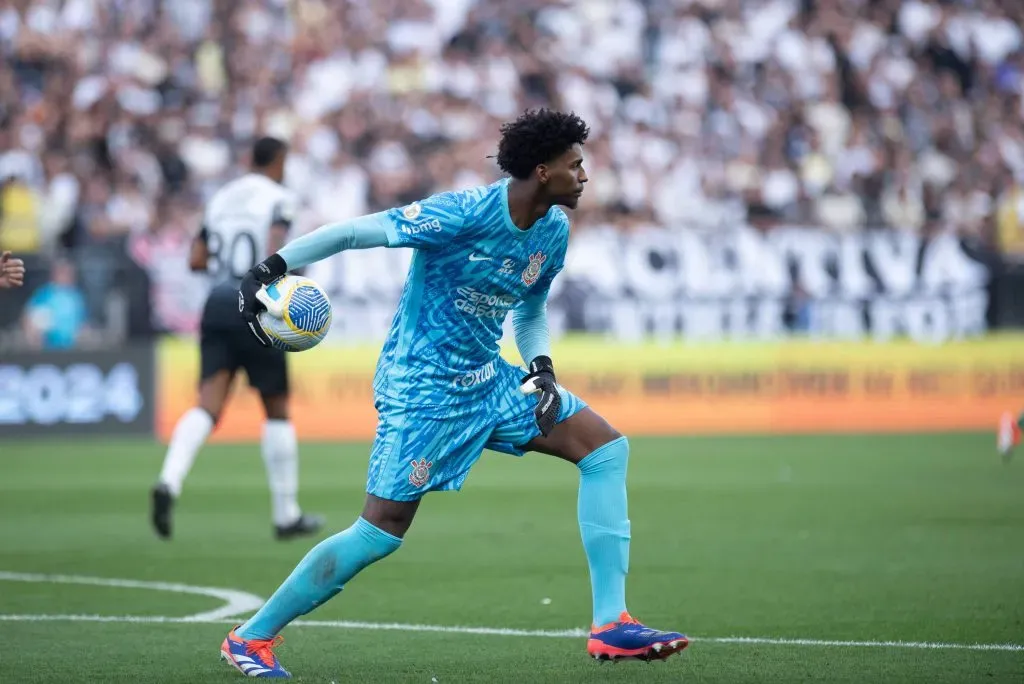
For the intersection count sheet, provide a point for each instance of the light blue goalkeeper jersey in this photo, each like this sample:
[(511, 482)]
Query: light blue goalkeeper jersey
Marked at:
[(470, 268)]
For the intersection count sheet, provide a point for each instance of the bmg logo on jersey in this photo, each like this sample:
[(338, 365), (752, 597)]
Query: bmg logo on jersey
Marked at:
[(422, 227), (476, 377), (483, 305)]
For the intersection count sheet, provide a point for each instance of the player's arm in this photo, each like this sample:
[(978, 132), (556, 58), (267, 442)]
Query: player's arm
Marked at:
[(364, 232), (360, 233), (428, 225), (199, 251), (530, 327)]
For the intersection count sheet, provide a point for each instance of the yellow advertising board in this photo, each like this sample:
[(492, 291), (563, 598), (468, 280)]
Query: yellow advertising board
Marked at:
[(649, 389)]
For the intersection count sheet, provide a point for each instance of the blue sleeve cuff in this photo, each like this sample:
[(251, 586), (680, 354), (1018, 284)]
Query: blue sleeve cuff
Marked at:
[(374, 230)]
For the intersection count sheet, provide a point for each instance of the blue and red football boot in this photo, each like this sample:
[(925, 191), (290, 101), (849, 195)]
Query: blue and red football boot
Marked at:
[(253, 657), (627, 639)]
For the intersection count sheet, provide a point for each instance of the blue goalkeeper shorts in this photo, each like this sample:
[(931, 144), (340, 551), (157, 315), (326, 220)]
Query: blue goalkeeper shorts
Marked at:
[(423, 448)]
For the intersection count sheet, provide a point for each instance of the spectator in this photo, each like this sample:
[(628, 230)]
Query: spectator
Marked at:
[(19, 217), (1010, 214), (55, 313), (836, 113), (12, 271)]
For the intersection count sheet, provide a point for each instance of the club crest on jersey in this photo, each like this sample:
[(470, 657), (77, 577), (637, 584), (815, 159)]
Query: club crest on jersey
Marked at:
[(532, 271), (420, 474), (412, 211)]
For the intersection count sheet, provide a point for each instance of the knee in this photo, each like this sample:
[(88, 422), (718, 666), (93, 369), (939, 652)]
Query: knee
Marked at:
[(597, 435), (210, 404), (612, 455), (611, 435), (391, 517), (276, 407), (378, 542), (214, 413)]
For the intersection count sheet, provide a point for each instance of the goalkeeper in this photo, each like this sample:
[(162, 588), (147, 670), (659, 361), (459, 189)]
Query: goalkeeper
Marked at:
[(443, 393)]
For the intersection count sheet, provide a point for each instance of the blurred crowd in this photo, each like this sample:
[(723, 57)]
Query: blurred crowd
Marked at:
[(118, 118)]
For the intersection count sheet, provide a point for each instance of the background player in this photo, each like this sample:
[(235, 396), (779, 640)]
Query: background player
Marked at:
[(1009, 433), (443, 393), (244, 221)]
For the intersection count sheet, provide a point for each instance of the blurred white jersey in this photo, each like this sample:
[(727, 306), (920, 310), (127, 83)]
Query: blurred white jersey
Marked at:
[(237, 221)]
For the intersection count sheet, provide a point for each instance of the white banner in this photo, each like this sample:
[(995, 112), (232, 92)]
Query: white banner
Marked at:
[(734, 284), (747, 284)]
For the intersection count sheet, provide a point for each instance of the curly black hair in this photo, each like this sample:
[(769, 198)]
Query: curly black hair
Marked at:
[(537, 137)]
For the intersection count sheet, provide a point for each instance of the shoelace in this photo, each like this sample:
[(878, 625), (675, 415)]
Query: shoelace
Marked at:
[(630, 620), (264, 649)]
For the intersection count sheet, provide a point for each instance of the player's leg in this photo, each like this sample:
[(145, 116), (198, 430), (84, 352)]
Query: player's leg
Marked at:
[(323, 572), (1008, 434), (411, 450), (217, 374), (193, 428), (388, 512), (602, 455), (414, 452), (267, 370), (318, 577), (280, 451)]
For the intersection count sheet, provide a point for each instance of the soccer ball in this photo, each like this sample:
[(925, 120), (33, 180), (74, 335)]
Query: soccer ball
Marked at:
[(298, 313)]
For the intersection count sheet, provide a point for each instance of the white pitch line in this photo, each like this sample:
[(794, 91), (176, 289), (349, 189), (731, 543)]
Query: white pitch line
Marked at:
[(238, 602), (501, 631), (130, 619), (865, 644), (235, 602)]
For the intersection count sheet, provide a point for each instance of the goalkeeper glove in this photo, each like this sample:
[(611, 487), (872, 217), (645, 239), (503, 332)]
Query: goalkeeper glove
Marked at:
[(249, 304), (541, 380)]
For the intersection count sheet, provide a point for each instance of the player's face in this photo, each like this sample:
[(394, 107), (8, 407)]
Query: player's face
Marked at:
[(565, 177), (277, 168)]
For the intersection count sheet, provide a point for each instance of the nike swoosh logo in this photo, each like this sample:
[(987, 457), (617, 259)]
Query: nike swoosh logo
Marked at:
[(475, 257)]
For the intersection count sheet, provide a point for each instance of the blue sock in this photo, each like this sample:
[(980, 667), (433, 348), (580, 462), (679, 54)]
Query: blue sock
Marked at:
[(319, 576), (604, 526)]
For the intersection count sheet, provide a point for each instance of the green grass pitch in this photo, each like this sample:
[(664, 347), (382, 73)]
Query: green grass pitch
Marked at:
[(826, 539)]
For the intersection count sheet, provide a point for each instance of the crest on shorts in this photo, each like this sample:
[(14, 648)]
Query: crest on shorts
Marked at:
[(420, 474), (532, 271), (412, 211)]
